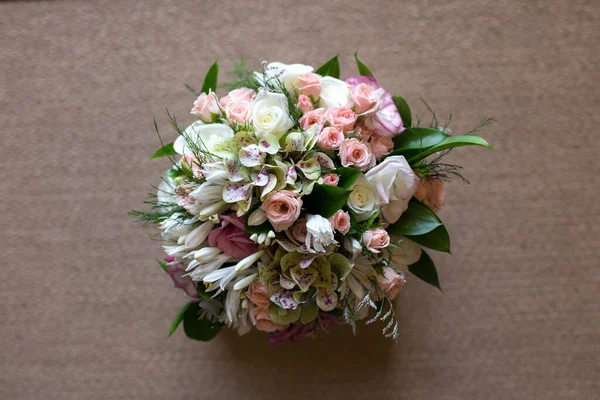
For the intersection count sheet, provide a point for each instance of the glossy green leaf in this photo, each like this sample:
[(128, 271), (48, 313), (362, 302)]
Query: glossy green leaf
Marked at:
[(201, 290), (347, 176), (330, 68), (163, 265), (438, 239), (178, 318), (449, 143), (165, 151), (210, 80), (326, 200), (404, 110), (199, 328), (418, 138), (418, 219), (424, 269), (362, 68)]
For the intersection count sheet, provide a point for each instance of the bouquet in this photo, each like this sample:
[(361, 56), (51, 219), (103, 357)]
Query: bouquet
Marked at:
[(298, 200)]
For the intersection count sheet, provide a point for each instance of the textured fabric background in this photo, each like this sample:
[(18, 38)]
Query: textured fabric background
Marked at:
[(84, 309)]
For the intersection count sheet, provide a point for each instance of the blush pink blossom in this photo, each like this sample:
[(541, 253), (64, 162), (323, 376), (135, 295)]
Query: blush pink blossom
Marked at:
[(365, 99), (341, 221), (353, 152), (310, 85), (237, 94), (239, 111), (304, 104), (231, 239), (386, 121), (341, 117), (314, 117), (282, 209), (376, 239), (331, 179), (191, 161), (390, 282), (206, 107), (330, 138), (381, 146), (258, 294), (432, 193), (299, 231), (263, 321)]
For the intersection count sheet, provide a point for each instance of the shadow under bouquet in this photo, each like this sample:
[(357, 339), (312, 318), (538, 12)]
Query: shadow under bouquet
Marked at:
[(299, 200)]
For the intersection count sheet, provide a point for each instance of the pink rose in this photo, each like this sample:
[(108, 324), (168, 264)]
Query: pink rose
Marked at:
[(258, 294), (263, 321), (206, 107), (341, 117), (237, 94), (432, 193), (304, 104), (231, 239), (282, 209), (330, 138), (376, 239), (310, 85), (386, 121), (239, 111), (381, 146), (341, 221), (314, 117), (390, 282), (353, 152), (365, 99), (331, 179), (299, 231)]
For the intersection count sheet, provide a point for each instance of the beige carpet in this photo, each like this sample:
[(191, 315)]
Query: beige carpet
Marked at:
[(84, 309)]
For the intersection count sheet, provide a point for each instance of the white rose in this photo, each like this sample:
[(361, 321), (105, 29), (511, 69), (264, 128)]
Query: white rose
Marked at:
[(396, 183), (334, 93), (406, 252), (288, 74), (204, 137), (363, 200), (270, 115)]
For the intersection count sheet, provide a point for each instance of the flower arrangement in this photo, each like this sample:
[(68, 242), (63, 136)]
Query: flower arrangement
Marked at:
[(299, 200)]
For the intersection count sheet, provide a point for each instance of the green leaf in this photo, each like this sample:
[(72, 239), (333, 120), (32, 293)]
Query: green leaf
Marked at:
[(165, 151), (362, 68), (424, 269), (415, 140), (178, 318), (199, 328), (404, 110), (449, 143), (210, 80), (438, 239), (201, 290), (330, 68), (347, 176), (163, 265), (418, 219), (326, 200)]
